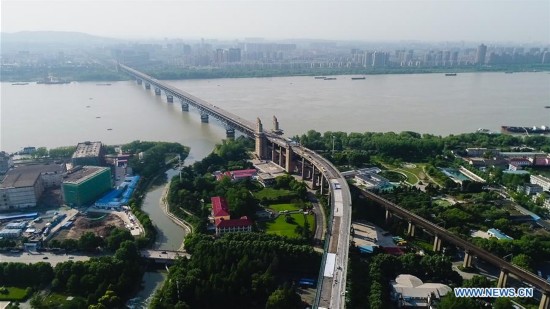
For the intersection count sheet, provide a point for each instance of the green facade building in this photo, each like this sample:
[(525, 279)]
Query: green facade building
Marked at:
[(82, 186)]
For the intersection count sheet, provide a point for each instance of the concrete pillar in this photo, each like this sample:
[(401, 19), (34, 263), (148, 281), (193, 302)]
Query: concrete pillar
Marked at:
[(272, 152), (170, 98), (303, 167), (230, 133), (467, 260), (260, 140), (147, 86), (411, 229), (544, 301), (138, 81), (204, 117), (184, 106), (280, 156), (437, 244), (289, 166), (388, 215), (321, 183), (313, 178), (502, 278), (157, 91)]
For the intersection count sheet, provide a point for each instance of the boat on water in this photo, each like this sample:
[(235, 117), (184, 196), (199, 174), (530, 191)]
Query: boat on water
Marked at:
[(547, 106), (51, 80), (358, 78), (320, 77), (20, 84), (526, 130), (103, 84), (330, 78), (450, 74), (509, 72)]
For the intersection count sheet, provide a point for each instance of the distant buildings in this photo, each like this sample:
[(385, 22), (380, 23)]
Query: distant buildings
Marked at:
[(89, 153), (542, 181), (23, 186), (83, 185), (480, 55), (370, 179)]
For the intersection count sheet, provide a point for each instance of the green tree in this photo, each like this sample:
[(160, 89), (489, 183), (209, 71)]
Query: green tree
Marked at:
[(450, 301), (284, 298)]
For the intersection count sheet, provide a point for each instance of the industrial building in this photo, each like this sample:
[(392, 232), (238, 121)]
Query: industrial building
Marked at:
[(89, 153), (83, 185), (410, 292), (23, 186)]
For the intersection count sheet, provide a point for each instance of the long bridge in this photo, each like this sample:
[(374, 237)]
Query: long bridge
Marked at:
[(295, 159), (470, 250)]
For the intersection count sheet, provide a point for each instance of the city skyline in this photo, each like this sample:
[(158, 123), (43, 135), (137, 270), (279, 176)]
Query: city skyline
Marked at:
[(426, 21)]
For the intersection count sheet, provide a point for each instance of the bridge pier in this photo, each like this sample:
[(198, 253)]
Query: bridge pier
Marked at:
[(544, 301), (170, 98), (157, 91), (147, 86), (467, 260), (289, 164), (321, 183), (502, 278), (138, 81), (204, 117), (230, 133), (388, 215), (303, 168), (411, 229), (184, 106), (273, 152), (437, 244), (260, 140)]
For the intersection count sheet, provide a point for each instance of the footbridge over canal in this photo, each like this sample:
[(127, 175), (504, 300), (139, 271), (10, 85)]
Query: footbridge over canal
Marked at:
[(163, 256), (295, 159)]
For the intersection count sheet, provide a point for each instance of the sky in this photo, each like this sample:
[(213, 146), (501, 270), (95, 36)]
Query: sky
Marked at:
[(523, 21)]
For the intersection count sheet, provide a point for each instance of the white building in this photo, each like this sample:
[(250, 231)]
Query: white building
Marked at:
[(23, 186), (410, 292), (5, 162)]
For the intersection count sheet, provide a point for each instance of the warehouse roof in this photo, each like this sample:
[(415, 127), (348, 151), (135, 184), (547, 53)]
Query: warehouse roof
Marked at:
[(26, 176), (79, 174), (87, 149)]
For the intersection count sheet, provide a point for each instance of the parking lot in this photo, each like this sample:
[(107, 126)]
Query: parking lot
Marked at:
[(368, 234)]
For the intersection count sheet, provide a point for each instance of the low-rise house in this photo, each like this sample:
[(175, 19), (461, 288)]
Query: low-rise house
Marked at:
[(220, 210), (498, 234), (236, 225)]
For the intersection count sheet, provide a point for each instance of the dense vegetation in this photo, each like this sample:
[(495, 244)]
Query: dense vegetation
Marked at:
[(151, 157), (238, 270)]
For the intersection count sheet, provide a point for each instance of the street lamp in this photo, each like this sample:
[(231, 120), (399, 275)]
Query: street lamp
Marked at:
[(511, 255)]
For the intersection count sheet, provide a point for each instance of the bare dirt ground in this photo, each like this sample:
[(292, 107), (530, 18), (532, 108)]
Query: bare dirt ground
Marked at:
[(83, 224)]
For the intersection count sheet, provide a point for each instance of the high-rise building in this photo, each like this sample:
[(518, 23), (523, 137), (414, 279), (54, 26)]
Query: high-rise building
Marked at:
[(5, 162), (89, 153), (379, 59), (234, 55), (82, 186), (480, 55)]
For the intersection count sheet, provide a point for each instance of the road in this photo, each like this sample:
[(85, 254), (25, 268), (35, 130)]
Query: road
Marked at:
[(48, 257)]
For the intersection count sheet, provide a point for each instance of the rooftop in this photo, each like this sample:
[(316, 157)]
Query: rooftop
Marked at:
[(413, 289), (219, 206), (26, 176), (242, 222), (80, 174), (87, 149)]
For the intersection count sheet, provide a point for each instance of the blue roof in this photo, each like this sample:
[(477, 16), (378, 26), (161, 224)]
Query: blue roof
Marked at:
[(498, 234), (20, 216)]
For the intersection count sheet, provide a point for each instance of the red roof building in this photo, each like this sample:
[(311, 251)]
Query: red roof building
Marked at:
[(236, 225), (243, 174), (219, 208)]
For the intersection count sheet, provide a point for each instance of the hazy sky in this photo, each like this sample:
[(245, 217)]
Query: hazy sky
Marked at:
[(436, 20)]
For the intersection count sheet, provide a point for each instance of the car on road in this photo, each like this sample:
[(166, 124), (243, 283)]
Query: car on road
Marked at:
[(45, 258)]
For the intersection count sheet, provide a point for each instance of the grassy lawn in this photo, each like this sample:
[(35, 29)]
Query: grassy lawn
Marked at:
[(422, 244), (281, 207), (441, 202), (411, 178), (15, 294), (271, 193), (280, 227), (58, 300)]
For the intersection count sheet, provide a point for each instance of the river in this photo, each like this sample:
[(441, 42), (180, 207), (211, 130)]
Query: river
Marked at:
[(60, 115)]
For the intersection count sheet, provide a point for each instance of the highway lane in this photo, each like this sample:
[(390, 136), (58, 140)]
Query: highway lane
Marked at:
[(48, 257)]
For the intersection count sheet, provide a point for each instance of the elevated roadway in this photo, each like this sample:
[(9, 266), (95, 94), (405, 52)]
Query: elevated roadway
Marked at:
[(445, 235), (331, 286)]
